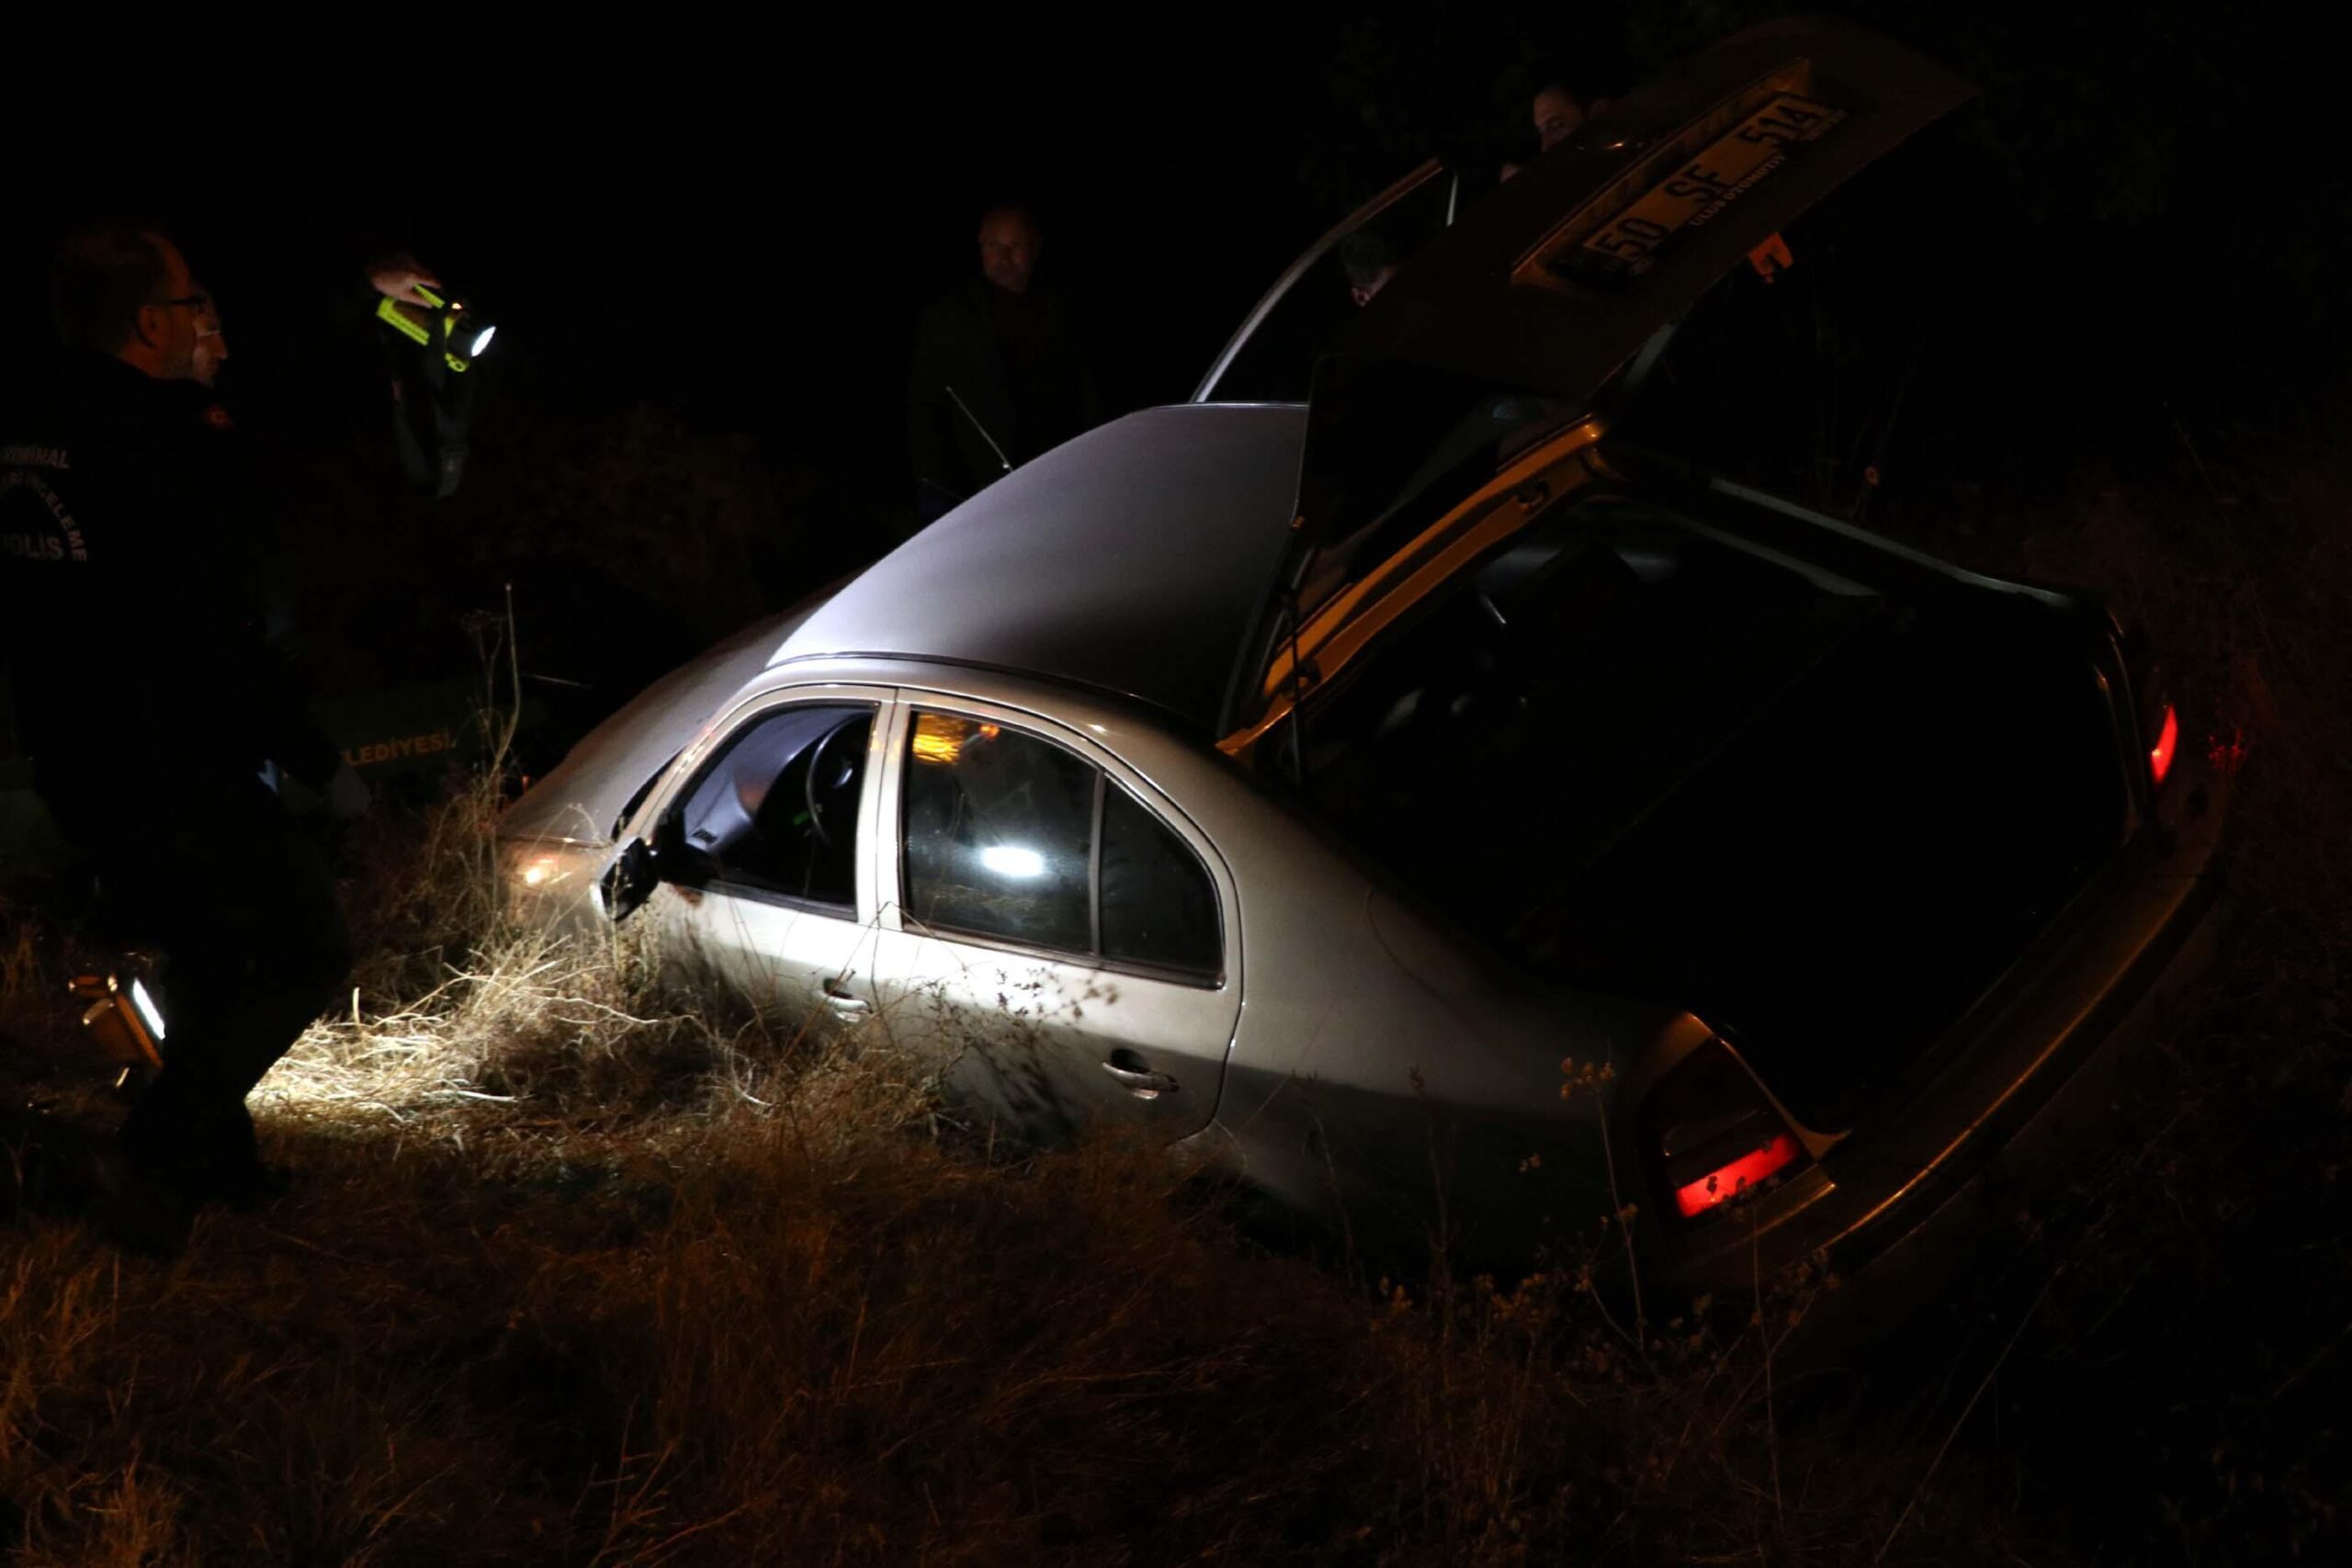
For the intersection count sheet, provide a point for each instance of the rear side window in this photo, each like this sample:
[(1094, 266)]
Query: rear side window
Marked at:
[(776, 811), (1009, 836), (1158, 906)]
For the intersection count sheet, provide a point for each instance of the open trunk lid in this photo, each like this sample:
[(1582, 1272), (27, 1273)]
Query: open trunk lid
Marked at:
[(1514, 318)]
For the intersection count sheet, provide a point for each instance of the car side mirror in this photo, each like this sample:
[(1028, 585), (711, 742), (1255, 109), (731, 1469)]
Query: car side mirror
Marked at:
[(630, 882)]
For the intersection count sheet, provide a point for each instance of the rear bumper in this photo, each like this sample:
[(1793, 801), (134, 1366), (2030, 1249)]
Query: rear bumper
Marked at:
[(2031, 1085)]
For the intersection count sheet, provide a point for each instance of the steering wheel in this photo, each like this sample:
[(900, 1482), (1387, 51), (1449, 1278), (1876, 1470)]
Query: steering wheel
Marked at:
[(808, 784)]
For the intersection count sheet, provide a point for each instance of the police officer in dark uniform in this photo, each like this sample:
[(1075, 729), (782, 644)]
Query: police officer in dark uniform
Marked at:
[(1000, 371), (150, 703)]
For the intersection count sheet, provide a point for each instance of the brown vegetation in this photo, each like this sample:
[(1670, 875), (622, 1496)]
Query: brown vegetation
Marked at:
[(573, 1277)]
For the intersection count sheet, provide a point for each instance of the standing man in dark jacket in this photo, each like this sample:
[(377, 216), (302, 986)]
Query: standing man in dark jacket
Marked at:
[(1000, 374), (131, 626)]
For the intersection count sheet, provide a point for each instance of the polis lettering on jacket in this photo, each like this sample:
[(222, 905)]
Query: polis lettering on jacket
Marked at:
[(396, 750)]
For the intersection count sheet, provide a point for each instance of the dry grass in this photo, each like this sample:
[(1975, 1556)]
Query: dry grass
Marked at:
[(575, 1276)]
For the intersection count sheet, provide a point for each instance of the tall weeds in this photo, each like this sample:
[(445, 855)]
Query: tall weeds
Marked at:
[(574, 1273)]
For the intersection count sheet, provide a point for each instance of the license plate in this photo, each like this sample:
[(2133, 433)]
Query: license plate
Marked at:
[(1627, 245)]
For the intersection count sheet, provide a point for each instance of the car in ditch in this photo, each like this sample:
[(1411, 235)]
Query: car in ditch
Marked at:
[(1423, 808)]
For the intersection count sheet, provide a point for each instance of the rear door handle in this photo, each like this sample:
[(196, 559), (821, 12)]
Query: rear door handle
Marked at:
[(842, 1000), (1143, 1084)]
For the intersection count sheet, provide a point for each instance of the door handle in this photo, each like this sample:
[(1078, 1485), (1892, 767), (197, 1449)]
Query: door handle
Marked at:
[(842, 1000), (1142, 1083)]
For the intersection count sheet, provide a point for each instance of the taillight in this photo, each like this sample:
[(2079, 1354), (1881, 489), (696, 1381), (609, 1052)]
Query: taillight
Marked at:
[(2155, 712), (1715, 1135), (1728, 1181), (2167, 741)]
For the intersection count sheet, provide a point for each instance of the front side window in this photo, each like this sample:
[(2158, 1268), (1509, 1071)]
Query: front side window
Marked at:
[(1009, 836), (776, 811), (999, 828)]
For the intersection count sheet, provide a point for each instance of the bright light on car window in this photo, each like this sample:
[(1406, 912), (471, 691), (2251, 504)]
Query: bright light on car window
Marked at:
[(1011, 859), (939, 739)]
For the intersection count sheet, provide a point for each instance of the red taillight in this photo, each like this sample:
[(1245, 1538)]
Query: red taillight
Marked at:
[(1716, 1133), (1722, 1185), (2168, 740)]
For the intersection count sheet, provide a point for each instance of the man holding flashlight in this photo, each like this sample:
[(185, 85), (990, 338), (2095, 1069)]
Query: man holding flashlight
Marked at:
[(151, 702)]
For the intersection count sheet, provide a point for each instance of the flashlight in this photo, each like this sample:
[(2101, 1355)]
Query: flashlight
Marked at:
[(122, 1016), (449, 324)]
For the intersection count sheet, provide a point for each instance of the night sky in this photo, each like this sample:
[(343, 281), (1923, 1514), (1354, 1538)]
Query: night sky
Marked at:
[(725, 220), (742, 234), (736, 225)]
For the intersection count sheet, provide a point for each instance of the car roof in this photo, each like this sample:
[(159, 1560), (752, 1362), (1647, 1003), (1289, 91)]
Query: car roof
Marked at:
[(1130, 561)]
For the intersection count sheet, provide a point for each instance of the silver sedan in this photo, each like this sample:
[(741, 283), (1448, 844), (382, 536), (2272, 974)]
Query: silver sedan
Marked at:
[(1425, 810)]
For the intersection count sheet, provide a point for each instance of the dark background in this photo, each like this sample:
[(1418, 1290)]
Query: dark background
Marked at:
[(706, 246), (2109, 293)]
